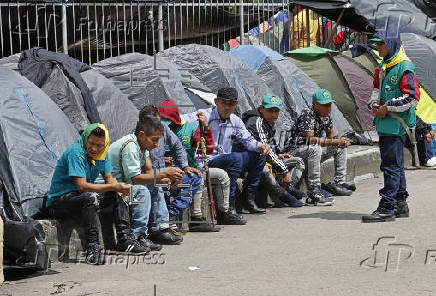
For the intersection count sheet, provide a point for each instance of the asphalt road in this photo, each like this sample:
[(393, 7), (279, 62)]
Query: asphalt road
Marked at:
[(306, 251)]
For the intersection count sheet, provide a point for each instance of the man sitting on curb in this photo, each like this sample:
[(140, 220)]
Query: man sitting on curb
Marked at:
[(260, 123), (73, 192), (189, 135), (131, 164), (192, 176), (306, 141), (228, 128)]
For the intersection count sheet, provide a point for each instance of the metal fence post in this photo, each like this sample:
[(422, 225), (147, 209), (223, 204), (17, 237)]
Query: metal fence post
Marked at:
[(307, 28), (64, 28), (241, 21), (160, 27)]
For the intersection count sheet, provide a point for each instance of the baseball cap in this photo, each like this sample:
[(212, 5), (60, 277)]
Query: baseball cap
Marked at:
[(271, 101), (322, 96), (227, 93)]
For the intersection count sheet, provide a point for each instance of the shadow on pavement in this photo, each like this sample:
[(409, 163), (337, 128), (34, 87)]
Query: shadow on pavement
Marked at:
[(330, 215)]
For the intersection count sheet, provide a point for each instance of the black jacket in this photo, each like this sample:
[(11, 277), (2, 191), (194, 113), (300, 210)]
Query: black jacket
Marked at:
[(263, 132)]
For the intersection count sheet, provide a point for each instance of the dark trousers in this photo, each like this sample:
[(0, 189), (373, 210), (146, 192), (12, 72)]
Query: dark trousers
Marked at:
[(82, 207), (391, 152), (424, 148), (236, 163)]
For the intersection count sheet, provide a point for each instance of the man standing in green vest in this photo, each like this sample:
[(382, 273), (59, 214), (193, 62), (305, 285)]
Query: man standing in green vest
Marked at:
[(396, 92)]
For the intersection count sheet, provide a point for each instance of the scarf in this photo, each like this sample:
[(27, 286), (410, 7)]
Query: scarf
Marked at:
[(84, 138)]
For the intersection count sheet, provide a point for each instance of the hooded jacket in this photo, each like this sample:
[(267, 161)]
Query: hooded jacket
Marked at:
[(263, 132), (395, 85)]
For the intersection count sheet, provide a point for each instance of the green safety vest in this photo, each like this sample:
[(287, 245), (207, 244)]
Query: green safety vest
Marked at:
[(390, 89)]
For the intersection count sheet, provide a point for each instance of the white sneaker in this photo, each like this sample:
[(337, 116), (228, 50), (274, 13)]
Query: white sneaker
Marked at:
[(431, 162)]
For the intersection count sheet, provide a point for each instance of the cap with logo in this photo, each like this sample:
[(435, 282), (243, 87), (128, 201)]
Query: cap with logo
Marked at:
[(271, 101), (322, 96)]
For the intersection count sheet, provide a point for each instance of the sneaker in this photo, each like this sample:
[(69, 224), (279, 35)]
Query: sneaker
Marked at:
[(201, 225), (431, 162), (378, 216), (166, 237), (229, 218), (143, 240), (94, 255), (299, 194), (402, 209), (316, 198), (132, 246), (325, 193)]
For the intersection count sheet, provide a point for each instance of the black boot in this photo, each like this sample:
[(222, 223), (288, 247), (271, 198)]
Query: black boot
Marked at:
[(235, 207), (227, 218), (378, 216), (402, 209), (250, 205)]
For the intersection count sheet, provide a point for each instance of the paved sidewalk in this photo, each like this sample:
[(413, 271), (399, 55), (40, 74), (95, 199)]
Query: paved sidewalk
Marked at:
[(306, 251)]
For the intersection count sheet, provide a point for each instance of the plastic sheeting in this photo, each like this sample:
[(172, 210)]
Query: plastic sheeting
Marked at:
[(216, 68), (67, 96), (403, 14), (117, 113), (34, 133), (422, 52), (145, 83)]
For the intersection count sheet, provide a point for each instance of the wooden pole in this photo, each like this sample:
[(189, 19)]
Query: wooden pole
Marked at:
[(334, 29)]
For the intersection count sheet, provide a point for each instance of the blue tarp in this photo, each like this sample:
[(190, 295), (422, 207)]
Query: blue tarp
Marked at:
[(255, 55)]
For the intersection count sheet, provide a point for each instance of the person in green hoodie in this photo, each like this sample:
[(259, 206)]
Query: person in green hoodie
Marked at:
[(396, 92)]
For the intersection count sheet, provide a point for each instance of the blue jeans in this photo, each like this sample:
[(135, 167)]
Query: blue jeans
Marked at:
[(424, 148), (391, 152), (183, 196), (153, 203), (236, 163)]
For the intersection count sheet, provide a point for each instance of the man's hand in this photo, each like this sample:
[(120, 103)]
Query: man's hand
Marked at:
[(168, 161), (287, 179), (430, 136), (285, 155), (175, 174), (202, 119), (343, 142), (375, 107), (381, 111), (264, 149), (190, 170), (122, 189)]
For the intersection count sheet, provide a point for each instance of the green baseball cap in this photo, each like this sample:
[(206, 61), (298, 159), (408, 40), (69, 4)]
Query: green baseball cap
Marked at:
[(322, 96), (271, 101)]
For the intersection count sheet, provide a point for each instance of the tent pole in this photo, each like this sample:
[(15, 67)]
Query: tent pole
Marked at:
[(241, 21), (334, 29)]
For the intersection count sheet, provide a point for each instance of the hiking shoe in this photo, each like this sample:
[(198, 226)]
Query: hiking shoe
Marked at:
[(94, 255), (166, 237), (402, 209), (291, 200), (201, 225), (299, 194), (143, 240), (228, 218), (132, 246), (316, 198), (378, 216), (336, 189)]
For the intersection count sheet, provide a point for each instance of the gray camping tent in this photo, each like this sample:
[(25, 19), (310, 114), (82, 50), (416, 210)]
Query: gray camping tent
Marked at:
[(422, 52), (402, 13), (34, 134), (216, 68), (116, 111), (148, 80), (287, 81)]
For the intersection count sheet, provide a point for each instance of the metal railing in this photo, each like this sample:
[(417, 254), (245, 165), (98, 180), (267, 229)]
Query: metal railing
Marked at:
[(91, 31)]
